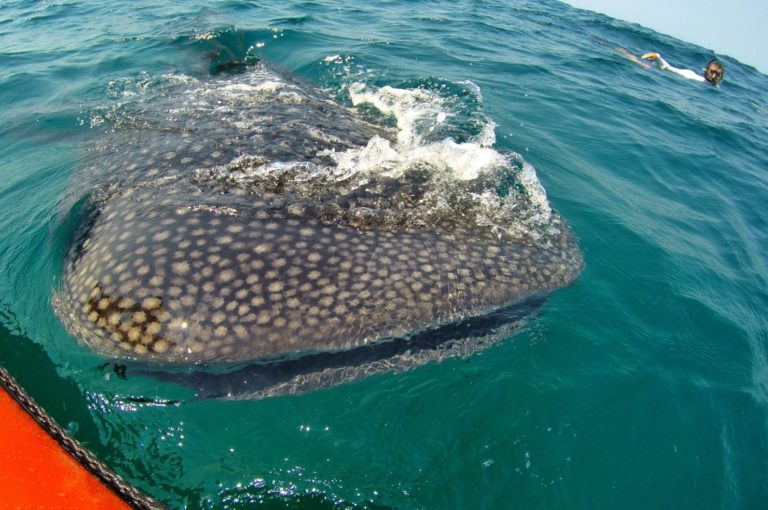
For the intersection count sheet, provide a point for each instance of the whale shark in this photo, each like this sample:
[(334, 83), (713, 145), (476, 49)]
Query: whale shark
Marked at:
[(249, 220)]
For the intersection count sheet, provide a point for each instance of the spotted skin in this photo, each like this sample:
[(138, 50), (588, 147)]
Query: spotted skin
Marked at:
[(199, 286), (181, 261)]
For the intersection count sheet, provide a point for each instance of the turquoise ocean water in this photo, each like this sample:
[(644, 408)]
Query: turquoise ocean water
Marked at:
[(643, 385)]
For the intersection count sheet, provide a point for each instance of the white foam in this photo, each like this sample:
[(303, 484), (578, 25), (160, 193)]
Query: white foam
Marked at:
[(204, 36), (486, 137), (535, 190), (376, 157), (260, 88), (267, 86), (417, 112), (333, 59), (464, 161)]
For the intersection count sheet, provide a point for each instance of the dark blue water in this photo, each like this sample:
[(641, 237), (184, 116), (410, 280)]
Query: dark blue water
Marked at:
[(643, 385)]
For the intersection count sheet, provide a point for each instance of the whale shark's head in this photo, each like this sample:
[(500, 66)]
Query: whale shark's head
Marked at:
[(243, 220)]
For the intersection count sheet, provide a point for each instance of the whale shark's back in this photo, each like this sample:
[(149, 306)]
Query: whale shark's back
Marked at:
[(223, 227)]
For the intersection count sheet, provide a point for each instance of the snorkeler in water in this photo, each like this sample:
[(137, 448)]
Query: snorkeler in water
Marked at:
[(713, 73)]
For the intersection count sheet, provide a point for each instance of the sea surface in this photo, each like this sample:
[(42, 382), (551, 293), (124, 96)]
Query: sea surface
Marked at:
[(642, 385)]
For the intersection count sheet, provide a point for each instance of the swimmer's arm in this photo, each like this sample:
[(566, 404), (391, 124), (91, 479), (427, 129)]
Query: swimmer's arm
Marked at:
[(663, 64), (633, 58)]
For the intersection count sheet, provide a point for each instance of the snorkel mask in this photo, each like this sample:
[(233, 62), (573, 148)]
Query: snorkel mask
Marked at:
[(714, 71)]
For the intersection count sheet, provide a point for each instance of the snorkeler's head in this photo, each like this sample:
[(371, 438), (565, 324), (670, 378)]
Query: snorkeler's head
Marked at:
[(714, 72)]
